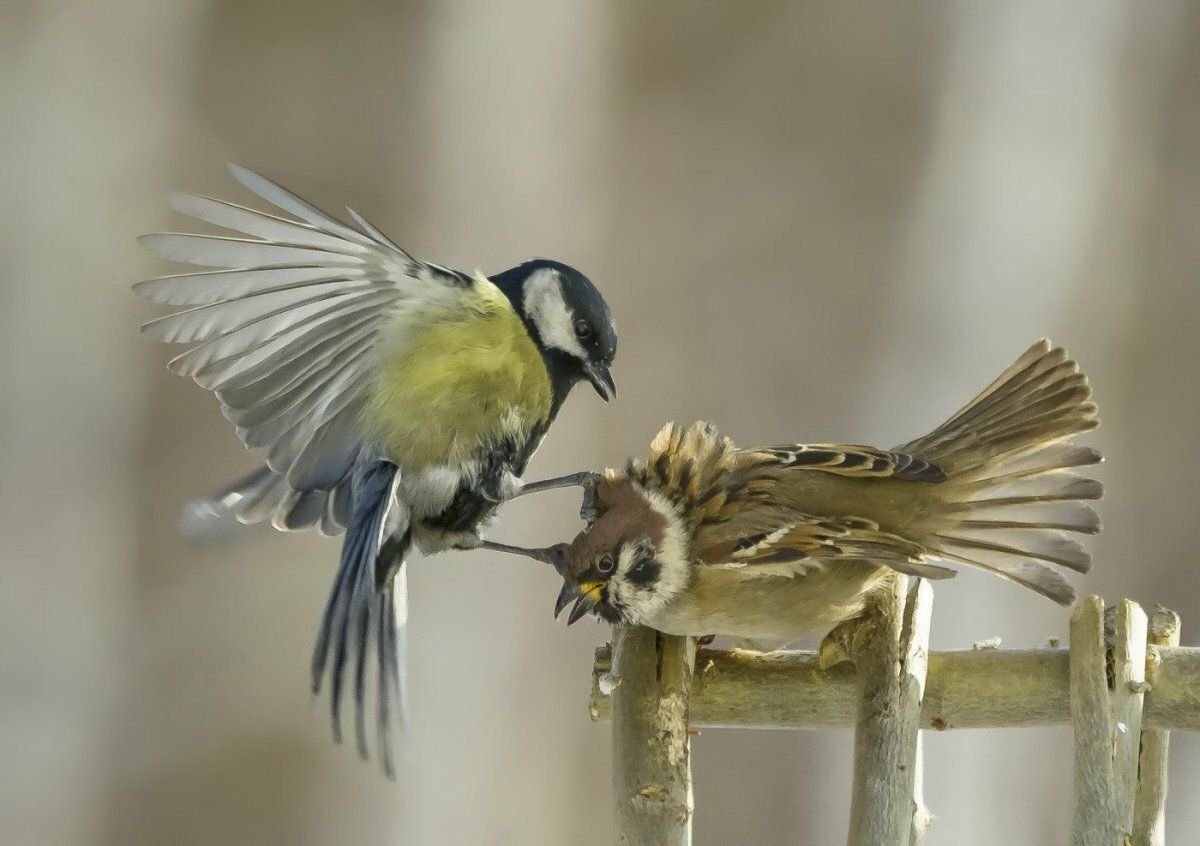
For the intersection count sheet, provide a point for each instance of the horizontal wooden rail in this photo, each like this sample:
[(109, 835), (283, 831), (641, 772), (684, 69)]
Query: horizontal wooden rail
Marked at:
[(979, 688)]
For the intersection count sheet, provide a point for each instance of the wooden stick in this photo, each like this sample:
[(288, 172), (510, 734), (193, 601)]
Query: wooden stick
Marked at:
[(1096, 821), (1149, 811), (984, 688), (1128, 650), (652, 781), (891, 667), (922, 817)]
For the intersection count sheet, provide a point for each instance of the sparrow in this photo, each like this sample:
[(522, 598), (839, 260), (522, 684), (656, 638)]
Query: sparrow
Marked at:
[(389, 397), (774, 543)]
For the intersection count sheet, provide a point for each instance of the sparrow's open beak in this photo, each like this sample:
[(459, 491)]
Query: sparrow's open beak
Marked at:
[(586, 597), (568, 593), (601, 380)]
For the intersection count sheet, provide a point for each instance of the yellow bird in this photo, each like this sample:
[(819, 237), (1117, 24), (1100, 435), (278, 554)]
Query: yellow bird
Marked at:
[(394, 398)]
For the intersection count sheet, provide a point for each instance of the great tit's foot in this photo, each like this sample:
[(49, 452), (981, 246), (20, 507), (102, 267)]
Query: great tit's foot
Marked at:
[(588, 512), (570, 481), (841, 644), (552, 555), (705, 640)]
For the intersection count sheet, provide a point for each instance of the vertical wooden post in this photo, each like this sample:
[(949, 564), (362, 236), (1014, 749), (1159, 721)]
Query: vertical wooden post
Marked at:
[(922, 817), (1149, 810), (652, 779), (891, 665), (1128, 650), (1096, 821)]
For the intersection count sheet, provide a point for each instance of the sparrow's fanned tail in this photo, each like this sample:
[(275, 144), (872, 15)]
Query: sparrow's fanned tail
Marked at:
[(366, 611), (1013, 490)]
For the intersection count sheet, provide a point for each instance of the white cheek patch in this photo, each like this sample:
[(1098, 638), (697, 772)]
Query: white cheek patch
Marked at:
[(543, 302), (672, 555)]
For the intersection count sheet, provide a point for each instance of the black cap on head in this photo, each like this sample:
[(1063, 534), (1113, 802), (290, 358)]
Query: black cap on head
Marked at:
[(569, 320)]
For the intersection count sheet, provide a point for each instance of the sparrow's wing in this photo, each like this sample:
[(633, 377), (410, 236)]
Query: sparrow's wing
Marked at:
[(852, 460), (286, 326), (778, 542)]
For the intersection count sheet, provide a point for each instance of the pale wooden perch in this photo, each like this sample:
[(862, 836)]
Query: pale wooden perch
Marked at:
[(986, 688), (1121, 690), (891, 667), (1127, 646), (1095, 822), (652, 780), (1149, 813)]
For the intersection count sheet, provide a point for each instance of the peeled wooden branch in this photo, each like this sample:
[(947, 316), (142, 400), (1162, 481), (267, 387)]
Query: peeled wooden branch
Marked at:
[(1127, 646), (1095, 822), (985, 688), (652, 781), (891, 666), (1149, 812)]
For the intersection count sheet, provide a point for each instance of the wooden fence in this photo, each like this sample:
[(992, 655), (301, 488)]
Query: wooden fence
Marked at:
[(1123, 685)]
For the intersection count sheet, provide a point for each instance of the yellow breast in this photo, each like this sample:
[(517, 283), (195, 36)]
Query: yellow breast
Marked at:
[(456, 375)]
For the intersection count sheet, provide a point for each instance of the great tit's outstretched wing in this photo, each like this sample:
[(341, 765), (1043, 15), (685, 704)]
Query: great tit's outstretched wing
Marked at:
[(286, 326), (262, 496)]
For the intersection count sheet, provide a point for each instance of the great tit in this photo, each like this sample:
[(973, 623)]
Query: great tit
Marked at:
[(394, 398), (774, 543)]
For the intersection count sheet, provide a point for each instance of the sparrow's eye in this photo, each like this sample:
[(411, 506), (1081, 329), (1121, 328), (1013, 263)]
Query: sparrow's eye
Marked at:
[(583, 329), (605, 564)]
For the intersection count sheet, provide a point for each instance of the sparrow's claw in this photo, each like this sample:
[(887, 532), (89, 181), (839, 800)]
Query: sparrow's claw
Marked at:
[(840, 645)]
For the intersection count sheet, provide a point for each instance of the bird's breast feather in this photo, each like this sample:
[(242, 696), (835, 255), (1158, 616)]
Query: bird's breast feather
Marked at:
[(455, 378)]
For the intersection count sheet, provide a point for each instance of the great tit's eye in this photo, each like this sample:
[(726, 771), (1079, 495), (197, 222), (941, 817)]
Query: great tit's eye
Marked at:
[(605, 564), (583, 329)]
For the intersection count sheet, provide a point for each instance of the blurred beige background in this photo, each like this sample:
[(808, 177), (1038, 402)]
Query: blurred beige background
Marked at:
[(812, 222)]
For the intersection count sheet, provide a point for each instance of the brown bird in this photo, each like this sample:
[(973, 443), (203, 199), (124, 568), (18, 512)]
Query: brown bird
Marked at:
[(778, 542)]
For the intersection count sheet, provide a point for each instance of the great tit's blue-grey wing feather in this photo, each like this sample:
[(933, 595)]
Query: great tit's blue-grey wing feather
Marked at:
[(287, 329), (265, 496), (259, 224)]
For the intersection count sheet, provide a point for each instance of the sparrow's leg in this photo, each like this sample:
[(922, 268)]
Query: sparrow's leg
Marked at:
[(841, 644)]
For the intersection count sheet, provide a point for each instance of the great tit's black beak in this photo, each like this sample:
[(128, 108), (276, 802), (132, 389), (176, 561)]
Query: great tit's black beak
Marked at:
[(601, 380)]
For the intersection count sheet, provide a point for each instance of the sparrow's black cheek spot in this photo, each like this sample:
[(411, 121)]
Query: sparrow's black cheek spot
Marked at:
[(644, 573)]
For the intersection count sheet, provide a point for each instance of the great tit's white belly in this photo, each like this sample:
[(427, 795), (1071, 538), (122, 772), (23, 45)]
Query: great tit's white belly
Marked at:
[(728, 602)]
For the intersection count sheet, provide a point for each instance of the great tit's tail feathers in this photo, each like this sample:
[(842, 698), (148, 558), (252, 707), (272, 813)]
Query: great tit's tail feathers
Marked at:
[(1014, 489), (264, 496), (366, 612)]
